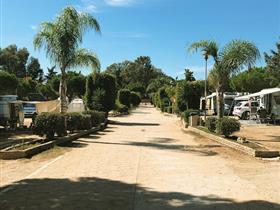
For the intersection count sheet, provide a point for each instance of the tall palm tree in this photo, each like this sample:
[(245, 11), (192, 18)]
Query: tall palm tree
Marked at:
[(236, 55), (208, 48), (61, 38)]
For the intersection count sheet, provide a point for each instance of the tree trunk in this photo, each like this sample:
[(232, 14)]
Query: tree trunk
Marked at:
[(62, 92), (220, 101)]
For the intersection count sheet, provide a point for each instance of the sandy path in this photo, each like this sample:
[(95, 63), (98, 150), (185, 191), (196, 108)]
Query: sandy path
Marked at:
[(143, 162)]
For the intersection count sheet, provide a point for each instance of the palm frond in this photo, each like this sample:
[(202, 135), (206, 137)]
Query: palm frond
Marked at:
[(84, 57), (208, 48)]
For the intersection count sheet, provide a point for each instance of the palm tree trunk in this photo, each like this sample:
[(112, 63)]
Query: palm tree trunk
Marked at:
[(220, 100), (62, 92)]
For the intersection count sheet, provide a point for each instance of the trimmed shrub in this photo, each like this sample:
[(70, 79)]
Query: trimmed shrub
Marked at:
[(124, 97), (170, 109), (97, 117), (50, 124), (135, 99), (164, 103), (78, 121), (211, 123), (101, 92), (226, 126), (121, 108)]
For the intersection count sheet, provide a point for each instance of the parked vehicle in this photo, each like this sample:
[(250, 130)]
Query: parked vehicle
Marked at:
[(11, 111), (211, 103), (29, 109), (269, 99), (243, 109)]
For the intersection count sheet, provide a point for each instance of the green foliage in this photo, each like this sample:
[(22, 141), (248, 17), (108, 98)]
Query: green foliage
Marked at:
[(188, 95), (97, 117), (34, 70), (164, 103), (211, 123), (78, 121), (169, 109), (226, 126), (273, 65), (124, 97), (138, 88), (8, 83), (47, 91), (13, 60), (101, 92), (246, 81), (51, 73), (76, 84), (189, 112), (50, 124), (135, 99), (120, 108), (158, 83), (189, 75), (26, 87)]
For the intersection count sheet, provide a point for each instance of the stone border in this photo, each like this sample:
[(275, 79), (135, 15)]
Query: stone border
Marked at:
[(5, 154), (234, 145)]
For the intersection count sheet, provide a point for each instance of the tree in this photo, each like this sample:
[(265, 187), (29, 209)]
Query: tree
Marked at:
[(236, 55), (13, 60), (76, 84), (34, 70), (189, 75), (124, 97), (101, 92), (51, 73), (135, 99), (8, 83), (246, 81), (61, 40), (273, 65)]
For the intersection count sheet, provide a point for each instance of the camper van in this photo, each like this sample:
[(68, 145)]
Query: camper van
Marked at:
[(211, 103), (11, 111)]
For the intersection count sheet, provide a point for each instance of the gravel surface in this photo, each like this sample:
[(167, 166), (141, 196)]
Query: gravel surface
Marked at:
[(141, 162)]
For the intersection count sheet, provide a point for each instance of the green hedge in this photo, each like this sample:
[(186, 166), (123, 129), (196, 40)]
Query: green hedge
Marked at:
[(121, 108), (211, 123), (50, 124), (78, 121), (226, 126), (124, 97), (135, 99), (187, 113), (97, 117)]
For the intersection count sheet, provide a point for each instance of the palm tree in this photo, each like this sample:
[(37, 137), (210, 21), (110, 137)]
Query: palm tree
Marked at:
[(61, 38), (208, 48), (236, 55)]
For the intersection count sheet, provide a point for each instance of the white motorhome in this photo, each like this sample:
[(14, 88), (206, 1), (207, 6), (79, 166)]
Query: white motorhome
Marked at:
[(268, 99), (211, 103)]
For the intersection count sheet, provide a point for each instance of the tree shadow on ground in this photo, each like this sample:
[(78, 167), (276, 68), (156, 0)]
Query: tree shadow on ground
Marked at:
[(104, 194), (133, 123), (203, 150)]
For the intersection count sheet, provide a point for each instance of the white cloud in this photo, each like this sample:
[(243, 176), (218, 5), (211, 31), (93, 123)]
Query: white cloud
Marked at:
[(33, 27), (87, 6), (119, 3)]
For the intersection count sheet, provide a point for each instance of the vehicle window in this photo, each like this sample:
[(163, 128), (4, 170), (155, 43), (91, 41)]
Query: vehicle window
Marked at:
[(255, 104), (29, 105), (247, 104)]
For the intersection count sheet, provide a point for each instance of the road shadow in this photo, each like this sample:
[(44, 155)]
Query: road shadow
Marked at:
[(105, 194), (202, 150), (133, 124)]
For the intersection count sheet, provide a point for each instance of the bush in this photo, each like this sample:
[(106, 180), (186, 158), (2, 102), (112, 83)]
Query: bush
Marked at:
[(77, 121), (164, 103), (170, 109), (211, 123), (121, 108), (100, 92), (135, 99), (188, 113), (50, 124), (97, 117), (124, 97), (8, 83), (226, 126)]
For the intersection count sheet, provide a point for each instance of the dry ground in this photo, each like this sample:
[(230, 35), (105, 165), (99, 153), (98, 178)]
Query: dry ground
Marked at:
[(267, 136), (141, 162)]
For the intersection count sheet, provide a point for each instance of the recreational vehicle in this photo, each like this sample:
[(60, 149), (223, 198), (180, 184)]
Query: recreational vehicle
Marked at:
[(211, 103)]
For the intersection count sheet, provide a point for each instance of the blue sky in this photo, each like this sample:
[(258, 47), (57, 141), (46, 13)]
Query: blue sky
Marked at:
[(161, 29)]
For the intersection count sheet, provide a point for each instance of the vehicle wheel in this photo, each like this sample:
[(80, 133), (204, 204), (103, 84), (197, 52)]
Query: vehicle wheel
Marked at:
[(246, 116)]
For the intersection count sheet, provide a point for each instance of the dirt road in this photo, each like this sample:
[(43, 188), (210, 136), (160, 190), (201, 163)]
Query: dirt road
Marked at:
[(141, 162)]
